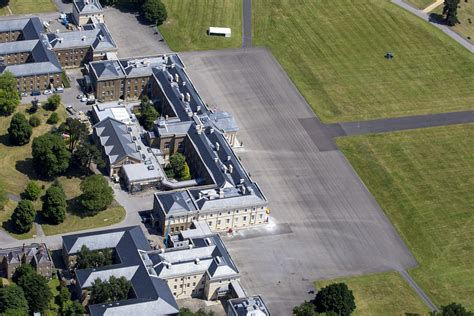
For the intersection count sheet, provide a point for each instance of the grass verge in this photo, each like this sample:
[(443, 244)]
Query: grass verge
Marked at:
[(334, 53), (28, 6), (188, 21), (424, 181), (381, 294)]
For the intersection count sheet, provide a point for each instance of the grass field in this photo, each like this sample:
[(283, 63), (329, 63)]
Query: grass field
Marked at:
[(28, 6), (381, 294), (420, 4), (334, 53), (188, 21), (424, 181)]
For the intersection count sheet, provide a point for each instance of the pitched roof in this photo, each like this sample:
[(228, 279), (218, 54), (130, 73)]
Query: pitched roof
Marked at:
[(115, 140), (88, 6)]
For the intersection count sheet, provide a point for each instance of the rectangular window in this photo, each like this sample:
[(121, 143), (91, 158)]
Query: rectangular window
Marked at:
[(245, 218), (227, 221), (210, 223)]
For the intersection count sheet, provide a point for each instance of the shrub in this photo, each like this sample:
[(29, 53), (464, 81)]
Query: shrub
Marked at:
[(53, 102), (20, 130), (23, 216), (53, 119), (34, 121), (32, 191)]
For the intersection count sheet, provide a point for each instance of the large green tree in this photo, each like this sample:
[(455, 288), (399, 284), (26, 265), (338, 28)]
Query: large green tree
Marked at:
[(20, 130), (454, 309), (148, 114), (155, 11), (55, 205), (335, 298), (68, 307), (178, 167), (115, 289), (75, 129), (86, 153), (9, 97), (450, 11), (87, 258), (37, 291), (12, 298), (23, 216), (96, 194), (305, 309), (50, 155)]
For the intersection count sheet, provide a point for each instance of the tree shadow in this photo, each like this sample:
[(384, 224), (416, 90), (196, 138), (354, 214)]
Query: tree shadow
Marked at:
[(9, 227), (437, 19), (26, 167), (74, 207), (4, 3), (141, 19), (5, 140)]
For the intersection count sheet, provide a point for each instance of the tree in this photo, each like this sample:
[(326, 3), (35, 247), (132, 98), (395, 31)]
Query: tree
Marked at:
[(23, 216), (50, 155), (187, 312), (184, 174), (86, 153), (67, 306), (13, 298), (32, 191), (54, 205), (155, 11), (148, 114), (178, 167), (450, 10), (20, 130), (96, 194), (22, 270), (454, 309), (305, 309), (115, 289), (9, 97), (53, 118), (36, 290), (53, 102), (87, 259), (335, 298), (75, 129), (34, 121)]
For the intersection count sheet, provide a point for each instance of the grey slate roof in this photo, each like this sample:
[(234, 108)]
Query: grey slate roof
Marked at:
[(88, 6), (96, 36), (115, 140), (44, 60), (39, 253), (107, 69), (152, 295)]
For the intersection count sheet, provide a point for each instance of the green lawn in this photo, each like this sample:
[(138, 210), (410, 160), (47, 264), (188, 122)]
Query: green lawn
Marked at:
[(28, 6), (420, 4), (381, 294), (424, 181), (188, 21), (334, 53)]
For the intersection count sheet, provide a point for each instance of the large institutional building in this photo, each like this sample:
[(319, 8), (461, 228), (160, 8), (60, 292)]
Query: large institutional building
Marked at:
[(36, 57), (221, 192), (196, 264)]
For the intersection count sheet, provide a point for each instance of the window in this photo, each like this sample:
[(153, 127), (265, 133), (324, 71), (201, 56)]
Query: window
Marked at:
[(175, 287), (167, 145), (180, 286), (227, 221), (218, 222), (194, 283), (188, 285), (245, 218), (261, 215), (210, 223)]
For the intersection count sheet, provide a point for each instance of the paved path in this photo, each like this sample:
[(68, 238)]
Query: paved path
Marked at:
[(455, 36), (247, 23), (433, 6), (419, 291), (323, 134)]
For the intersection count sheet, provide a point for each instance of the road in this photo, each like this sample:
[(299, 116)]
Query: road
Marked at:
[(325, 223)]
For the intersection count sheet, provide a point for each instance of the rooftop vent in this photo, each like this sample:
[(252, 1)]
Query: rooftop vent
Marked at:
[(83, 38), (218, 260), (218, 146), (198, 108), (228, 158), (208, 241), (176, 77), (242, 181), (181, 96), (188, 97), (197, 260), (211, 130), (231, 168)]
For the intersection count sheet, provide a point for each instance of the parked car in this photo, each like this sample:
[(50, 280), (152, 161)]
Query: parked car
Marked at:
[(59, 90), (90, 102), (46, 92), (35, 93), (151, 167), (139, 147), (134, 138), (148, 149), (84, 99), (80, 96), (23, 94), (129, 129), (143, 156)]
